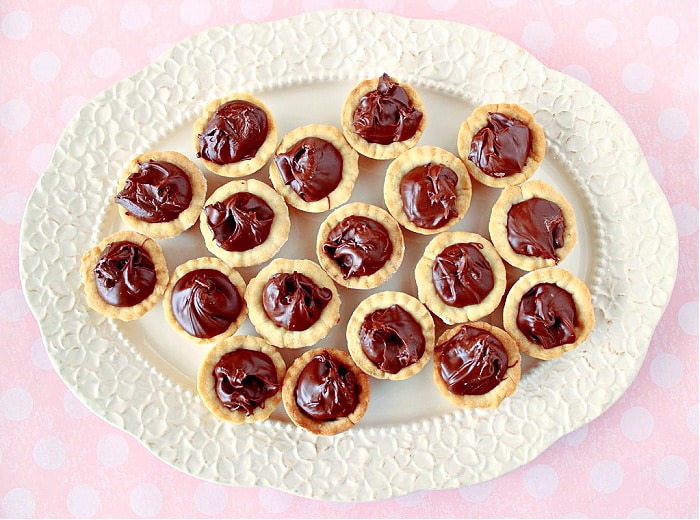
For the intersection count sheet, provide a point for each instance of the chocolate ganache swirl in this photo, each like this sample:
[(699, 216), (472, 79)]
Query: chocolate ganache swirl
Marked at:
[(244, 379), (326, 389), (535, 227), (241, 222), (547, 315), (359, 245), (312, 167), (461, 275), (124, 274), (429, 195), (502, 147), (293, 301)]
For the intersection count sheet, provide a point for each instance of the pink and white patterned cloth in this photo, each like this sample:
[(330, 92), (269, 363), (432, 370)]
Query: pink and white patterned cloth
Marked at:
[(638, 460)]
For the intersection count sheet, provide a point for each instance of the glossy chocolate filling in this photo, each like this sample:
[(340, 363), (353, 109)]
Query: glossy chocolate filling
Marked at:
[(234, 133), (472, 362), (461, 275), (205, 302), (293, 301), (326, 389), (124, 274), (359, 245), (244, 379), (536, 227), (502, 147), (386, 115), (158, 192), (429, 195), (392, 339), (312, 167), (241, 222), (547, 316)]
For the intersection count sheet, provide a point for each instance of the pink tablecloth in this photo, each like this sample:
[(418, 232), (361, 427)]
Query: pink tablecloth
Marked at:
[(639, 459)]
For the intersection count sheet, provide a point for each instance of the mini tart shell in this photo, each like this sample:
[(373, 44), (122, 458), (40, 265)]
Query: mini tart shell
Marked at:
[(376, 150), (384, 300), (492, 398), (90, 259), (248, 166), (499, 218), (279, 232), (206, 383), (478, 120), (426, 288), (315, 426), (585, 318), (351, 169), (377, 214), (414, 158), (280, 336), (194, 265), (184, 220)]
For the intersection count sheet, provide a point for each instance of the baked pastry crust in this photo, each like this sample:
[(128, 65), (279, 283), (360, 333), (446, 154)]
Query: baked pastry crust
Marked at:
[(426, 288), (279, 336), (494, 397), (248, 166), (499, 218), (384, 300), (478, 120), (376, 150), (279, 232), (585, 318), (351, 169), (92, 256), (206, 382), (414, 158), (194, 265), (378, 215), (331, 427), (186, 218)]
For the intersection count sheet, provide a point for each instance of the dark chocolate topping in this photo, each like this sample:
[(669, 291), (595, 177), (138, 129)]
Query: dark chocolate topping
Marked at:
[(472, 362), (461, 275), (326, 389), (392, 339), (429, 195), (313, 168), (359, 245), (244, 379), (158, 192), (124, 274), (386, 115), (205, 302), (234, 133), (241, 222), (502, 147), (293, 301), (536, 227), (547, 315)]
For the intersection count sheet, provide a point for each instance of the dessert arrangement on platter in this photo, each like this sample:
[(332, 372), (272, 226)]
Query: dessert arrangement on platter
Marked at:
[(294, 303)]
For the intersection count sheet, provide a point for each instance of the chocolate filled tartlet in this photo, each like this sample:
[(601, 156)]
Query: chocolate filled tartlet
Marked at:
[(240, 379), (125, 275), (476, 365), (325, 392), (502, 145)]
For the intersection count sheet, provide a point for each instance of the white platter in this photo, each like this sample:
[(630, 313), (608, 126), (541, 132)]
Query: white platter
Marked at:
[(140, 376)]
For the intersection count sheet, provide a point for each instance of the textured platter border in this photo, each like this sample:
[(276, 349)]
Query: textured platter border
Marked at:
[(631, 280)]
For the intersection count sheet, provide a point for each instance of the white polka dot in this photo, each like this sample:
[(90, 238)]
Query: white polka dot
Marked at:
[(662, 30), (673, 123), (442, 5), (12, 207), (538, 36), (666, 370), (579, 72), (45, 66), (576, 437), (274, 501), (672, 472), (641, 512), (74, 407), (146, 500), (15, 114), (40, 157), (657, 168), (13, 306), (686, 217), (607, 476), (38, 355), (70, 106), (135, 15), (411, 500), (112, 450), (210, 499), (16, 404), (83, 501), (601, 33), (255, 10), (540, 481), (105, 62), (18, 503), (477, 493), (76, 20), (692, 419), (195, 12), (637, 423), (638, 78), (688, 317), (49, 452), (16, 25)]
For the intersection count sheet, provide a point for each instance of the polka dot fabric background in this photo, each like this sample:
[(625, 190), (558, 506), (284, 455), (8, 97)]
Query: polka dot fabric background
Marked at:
[(638, 460)]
